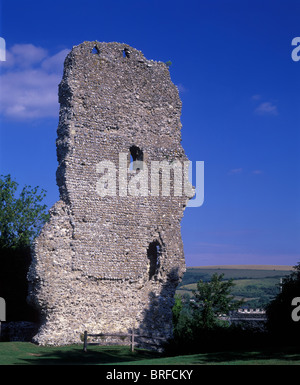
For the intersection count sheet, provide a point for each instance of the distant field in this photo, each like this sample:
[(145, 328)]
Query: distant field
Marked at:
[(194, 274), (256, 284), (247, 267)]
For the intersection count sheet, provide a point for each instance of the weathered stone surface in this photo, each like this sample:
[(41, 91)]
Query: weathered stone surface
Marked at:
[(110, 263)]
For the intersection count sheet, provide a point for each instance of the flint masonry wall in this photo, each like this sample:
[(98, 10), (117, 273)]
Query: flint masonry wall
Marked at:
[(110, 262)]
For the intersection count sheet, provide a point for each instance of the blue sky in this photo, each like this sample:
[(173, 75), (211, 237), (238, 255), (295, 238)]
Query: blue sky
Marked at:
[(239, 86)]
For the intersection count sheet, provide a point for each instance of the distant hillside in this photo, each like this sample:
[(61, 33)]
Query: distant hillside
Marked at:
[(246, 267), (256, 284)]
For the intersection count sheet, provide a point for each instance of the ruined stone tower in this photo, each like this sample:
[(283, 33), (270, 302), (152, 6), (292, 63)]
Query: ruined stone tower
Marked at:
[(111, 255)]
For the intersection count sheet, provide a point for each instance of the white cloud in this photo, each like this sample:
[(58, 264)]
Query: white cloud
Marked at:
[(266, 108), (54, 63), (29, 94), (29, 82), (25, 55), (181, 88), (235, 171), (256, 97)]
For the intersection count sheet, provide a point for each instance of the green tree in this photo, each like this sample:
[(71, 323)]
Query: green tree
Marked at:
[(22, 217), (182, 317), (213, 299), (197, 326), (177, 308)]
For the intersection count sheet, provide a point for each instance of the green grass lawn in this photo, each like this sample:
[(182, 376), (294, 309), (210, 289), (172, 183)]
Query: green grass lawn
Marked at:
[(25, 353)]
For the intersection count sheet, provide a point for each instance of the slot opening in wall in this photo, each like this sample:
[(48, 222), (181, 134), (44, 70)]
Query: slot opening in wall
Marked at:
[(153, 254), (136, 158), (96, 50), (126, 52)]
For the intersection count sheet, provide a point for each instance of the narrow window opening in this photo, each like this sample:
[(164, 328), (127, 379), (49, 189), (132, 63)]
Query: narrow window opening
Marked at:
[(95, 50), (131, 163), (153, 254), (126, 52), (136, 158)]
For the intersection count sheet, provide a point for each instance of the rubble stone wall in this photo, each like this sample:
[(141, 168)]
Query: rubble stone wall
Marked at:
[(107, 263)]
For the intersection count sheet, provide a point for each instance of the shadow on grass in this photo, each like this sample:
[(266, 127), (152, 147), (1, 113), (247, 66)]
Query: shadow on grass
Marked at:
[(268, 356), (101, 355)]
